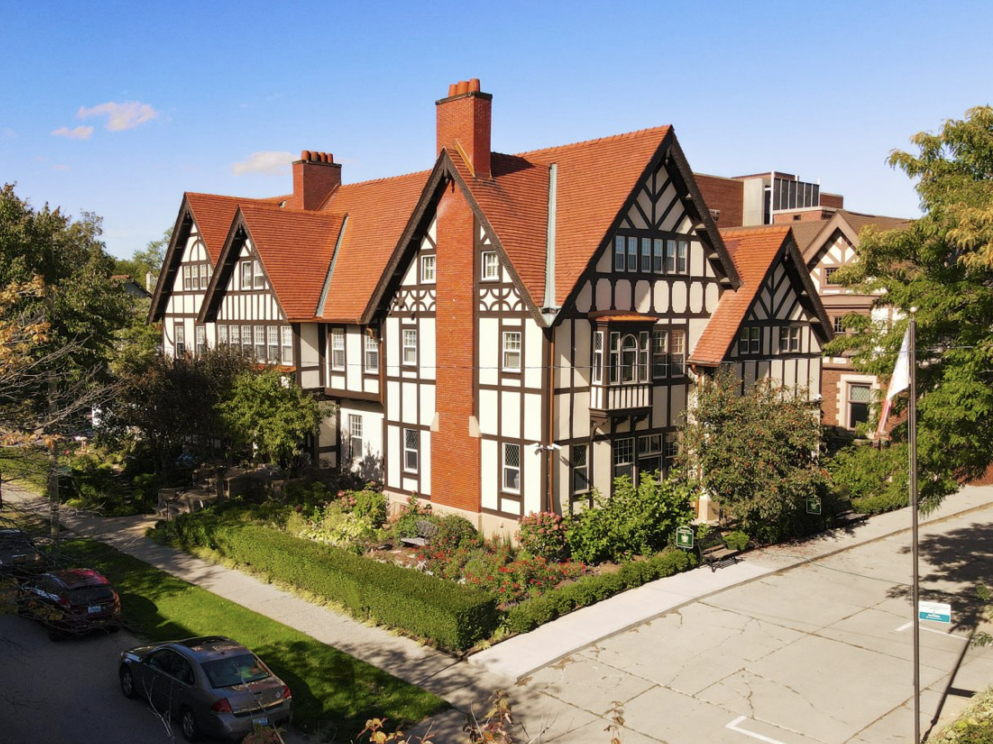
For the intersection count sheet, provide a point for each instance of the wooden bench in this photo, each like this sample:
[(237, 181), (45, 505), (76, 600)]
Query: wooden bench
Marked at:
[(846, 516), (714, 553), (425, 531)]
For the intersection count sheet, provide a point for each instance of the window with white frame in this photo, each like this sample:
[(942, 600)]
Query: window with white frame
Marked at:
[(512, 468), (580, 468), (644, 352), (491, 266), (614, 361), (624, 457), (180, 335), (838, 324), (660, 353), (670, 448), (597, 374), (677, 352), (246, 340), (371, 354), (222, 335), (204, 275), (658, 248), (355, 442), (789, 339), (619, 260), (629, 358), (411, 449), (650, 454), (512, 351), (234, 336), (427, 269), (286, 333), (201, 334), (646, 254), (670, 257), (246, 274), (273, 339), (187, 277), (859, 399), (750, 340), (260, 343), (257, 276), (337, 348), (682, 257), (410, 346), (632, 254)]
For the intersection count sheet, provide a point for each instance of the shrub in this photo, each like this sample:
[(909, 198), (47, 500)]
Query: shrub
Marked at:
[(636, 521), (454, 532), (454, 617), (591, 589), (370, 505), (406, 523), (544, 534), (333, 525), (736, 540)]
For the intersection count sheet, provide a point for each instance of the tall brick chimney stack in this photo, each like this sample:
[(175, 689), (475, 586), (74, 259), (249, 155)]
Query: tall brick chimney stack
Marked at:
[(464, 124), (315, 175)]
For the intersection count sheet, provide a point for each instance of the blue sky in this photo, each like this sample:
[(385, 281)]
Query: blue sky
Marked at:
[(117, 108)]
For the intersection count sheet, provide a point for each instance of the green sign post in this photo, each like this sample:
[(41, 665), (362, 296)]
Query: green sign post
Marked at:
[(813, 505), (684, 537)]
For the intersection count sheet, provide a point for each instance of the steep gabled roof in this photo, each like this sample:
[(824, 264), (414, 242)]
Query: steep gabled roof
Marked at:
[(213, 214), (755, 251), (295, 247), (810, 241), (377, 212)]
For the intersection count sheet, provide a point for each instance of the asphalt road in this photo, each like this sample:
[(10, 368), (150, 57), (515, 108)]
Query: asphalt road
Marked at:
[(819, 654)]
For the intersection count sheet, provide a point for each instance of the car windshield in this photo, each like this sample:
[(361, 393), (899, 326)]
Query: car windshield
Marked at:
[(235, 670), (91, 594)]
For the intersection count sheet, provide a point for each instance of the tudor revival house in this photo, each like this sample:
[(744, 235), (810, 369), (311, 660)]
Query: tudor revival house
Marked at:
[(502, 332)]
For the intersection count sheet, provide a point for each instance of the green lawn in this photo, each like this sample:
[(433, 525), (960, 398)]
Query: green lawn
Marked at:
[(333, 693), (26, 465)]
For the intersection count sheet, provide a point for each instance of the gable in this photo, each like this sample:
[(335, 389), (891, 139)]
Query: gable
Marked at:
[(244, 295)]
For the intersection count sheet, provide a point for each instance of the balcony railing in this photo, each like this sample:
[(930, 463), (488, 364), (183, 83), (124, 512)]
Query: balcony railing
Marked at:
[(623, 397)]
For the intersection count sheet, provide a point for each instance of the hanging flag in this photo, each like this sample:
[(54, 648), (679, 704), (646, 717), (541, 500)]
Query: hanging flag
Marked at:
[(899, 382)]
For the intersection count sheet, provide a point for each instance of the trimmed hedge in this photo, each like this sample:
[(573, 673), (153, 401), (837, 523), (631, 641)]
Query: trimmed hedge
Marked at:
[(530, 614), (453, 616)]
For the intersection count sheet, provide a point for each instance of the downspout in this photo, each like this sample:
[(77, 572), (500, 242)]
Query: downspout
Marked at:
[(549, 311), (549, 449)]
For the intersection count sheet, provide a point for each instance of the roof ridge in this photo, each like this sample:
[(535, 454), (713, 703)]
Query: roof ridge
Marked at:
[(384, 178), (842, 210), (270, 207), (756, 228), (267, 199), (596, 140)]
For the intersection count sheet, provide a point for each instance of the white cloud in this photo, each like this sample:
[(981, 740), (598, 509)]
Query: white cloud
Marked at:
[(60, 167), (120, 116), (8, 132), (270, 162), (79, 133)]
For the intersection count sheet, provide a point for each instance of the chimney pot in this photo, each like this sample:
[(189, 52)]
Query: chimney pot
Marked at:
[(305, 155), (474, 85), (463, 87), (311, 184), (452, 89), (463, 122), (323, 156)]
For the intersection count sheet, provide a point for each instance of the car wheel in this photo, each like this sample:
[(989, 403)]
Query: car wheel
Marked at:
[(188, 722), (127, 683)]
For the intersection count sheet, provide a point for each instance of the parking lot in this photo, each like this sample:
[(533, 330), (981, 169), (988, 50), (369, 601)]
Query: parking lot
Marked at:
[(816, 654)]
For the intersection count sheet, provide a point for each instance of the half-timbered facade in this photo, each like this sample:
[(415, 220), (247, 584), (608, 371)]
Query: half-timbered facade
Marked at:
[(505, 333)]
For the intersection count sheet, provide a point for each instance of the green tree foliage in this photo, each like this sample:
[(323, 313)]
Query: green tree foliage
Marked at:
[(167, 404), (754, 453), (145, 260), (268, 411), (943, 266)]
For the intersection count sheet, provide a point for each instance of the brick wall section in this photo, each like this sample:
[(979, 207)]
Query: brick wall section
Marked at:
[(312, 182), (724, 194), (455, 455), (833, 201), (830, 383), (805, 215), (466, 120)]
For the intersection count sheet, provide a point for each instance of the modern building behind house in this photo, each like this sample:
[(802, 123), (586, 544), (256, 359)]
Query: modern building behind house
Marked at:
[(502, 333)]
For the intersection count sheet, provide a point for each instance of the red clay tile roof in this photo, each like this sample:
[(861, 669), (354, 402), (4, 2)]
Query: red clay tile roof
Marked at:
[(295, 248), (378, 212), (753, 250), (213, 214), (594, 180)]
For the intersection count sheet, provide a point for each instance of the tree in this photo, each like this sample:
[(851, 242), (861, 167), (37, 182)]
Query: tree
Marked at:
[(942, 265), (266, 410), (20, 334), (147, 260), (755, 453)]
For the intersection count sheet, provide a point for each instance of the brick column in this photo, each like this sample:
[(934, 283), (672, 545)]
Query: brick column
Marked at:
[(454, 452)]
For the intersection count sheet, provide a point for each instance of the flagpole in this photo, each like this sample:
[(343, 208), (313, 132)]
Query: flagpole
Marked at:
[(912, 441)]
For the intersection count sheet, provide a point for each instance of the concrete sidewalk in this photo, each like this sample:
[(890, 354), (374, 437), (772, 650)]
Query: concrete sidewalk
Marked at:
[(469, 684)]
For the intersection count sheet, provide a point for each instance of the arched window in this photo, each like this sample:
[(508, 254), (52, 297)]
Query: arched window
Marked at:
[(629, 359)]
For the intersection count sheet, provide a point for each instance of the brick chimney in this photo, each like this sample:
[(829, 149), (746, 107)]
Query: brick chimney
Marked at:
[(464, 124), (315, 175)]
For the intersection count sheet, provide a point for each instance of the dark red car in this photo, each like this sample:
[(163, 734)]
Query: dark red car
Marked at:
[(71, 601)]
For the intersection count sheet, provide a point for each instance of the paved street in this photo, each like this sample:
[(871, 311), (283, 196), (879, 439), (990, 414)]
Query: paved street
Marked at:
[(818, 653)]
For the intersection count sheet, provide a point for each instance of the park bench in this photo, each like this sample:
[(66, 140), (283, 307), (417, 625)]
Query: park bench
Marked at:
[(714, 553), (845, 514), (425, 531)]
